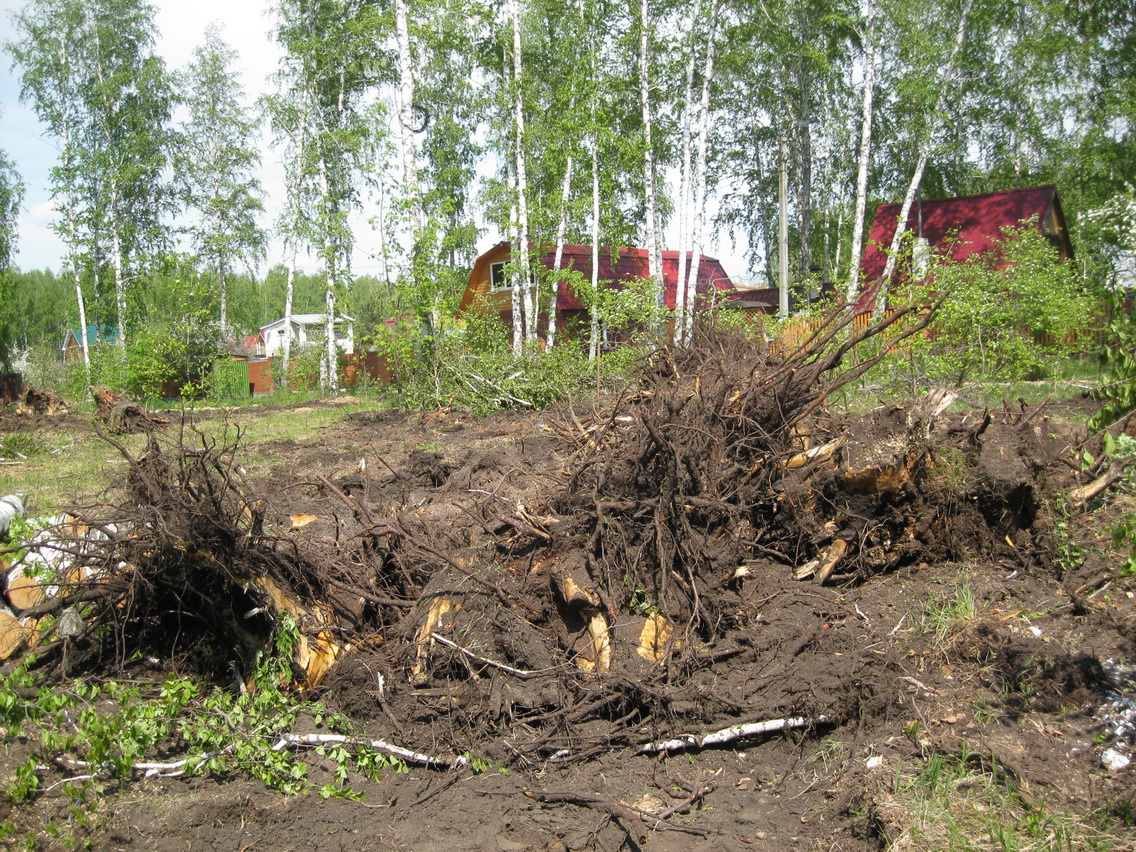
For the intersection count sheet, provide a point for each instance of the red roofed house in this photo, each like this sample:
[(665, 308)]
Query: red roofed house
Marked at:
[(970, 224), (489, 287)]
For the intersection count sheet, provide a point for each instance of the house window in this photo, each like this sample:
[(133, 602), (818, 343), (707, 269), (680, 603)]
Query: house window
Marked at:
[(498, 280)]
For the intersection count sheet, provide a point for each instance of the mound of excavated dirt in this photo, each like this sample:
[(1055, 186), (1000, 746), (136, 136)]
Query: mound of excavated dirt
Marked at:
[(564, 595)]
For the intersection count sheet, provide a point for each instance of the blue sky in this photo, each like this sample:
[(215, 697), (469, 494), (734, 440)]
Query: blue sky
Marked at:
[(181, 24)]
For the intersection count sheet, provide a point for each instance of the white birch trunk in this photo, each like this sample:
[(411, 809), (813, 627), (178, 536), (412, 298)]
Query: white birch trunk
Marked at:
[(805, 201), (683, 202), (116, 259), (686, 319), (289, 288), (73, 255), (561, 227), (514, 276), (521, 250), (407, 150), (864, 159), (924, 153), (221, 274), (113, 215), (594, 331), (654, 270), (82, 306), (329, 375), (294, 244), (826, 183)]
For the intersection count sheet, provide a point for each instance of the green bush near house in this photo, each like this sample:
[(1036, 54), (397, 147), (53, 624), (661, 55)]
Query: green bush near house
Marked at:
[(1008, 314)]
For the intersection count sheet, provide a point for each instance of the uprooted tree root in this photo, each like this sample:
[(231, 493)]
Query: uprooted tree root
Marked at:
[(563, 615)]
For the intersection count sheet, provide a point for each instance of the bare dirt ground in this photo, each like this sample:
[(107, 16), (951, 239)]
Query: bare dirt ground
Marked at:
[(966, 619)]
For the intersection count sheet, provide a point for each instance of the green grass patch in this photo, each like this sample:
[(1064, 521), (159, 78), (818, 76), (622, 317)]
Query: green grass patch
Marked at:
[(966, 803), (75, 467), (946, 614)]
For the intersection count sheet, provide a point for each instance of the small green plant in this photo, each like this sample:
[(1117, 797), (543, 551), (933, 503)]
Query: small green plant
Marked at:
[(945, 614), (26, 783), (643, 603), (1070, 554), (1122, 448)]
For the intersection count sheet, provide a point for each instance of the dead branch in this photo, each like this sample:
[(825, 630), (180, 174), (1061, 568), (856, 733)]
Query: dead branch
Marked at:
[(728, 735)]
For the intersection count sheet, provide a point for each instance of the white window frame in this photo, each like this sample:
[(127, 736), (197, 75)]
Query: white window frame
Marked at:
[(507, 280)]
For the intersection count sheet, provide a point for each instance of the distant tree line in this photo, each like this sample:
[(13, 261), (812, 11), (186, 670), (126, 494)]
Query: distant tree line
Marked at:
[(595, 122)]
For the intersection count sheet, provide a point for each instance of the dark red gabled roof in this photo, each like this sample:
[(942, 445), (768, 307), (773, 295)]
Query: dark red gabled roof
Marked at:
[(974, 222), (630, 264)]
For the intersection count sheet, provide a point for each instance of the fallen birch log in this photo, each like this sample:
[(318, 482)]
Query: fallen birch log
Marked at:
[(728, 735), (406, 754), (171, 769)]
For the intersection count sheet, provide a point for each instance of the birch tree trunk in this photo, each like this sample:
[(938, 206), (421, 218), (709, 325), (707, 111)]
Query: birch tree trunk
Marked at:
[(804, 261), (521, 249), (594, 339), (687, 317), (329, 375), (289, 288), (514, 277), (924, 153), (654, 268), (561, 227), (116, 260), (864, 159), (72, 243), (407, 151), (293, 240), (683, 203), (224, 284)]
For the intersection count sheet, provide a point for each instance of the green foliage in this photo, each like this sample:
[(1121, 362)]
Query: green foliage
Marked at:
[(304, 367), (11, 194), (1007, 314), (967, 801), (113, 726), (108, 368), (217, 164), (1122, 448), (1117, 390), (476, 371)]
